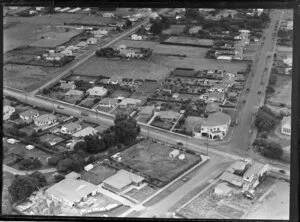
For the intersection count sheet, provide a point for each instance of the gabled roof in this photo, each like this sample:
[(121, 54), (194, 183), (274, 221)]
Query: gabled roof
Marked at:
[(232, 178), (253, 169), (72, 126), (147, 110), (216, 119), (85, 132), (122, 179)]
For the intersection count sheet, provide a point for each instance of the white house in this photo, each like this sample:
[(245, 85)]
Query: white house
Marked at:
[(45, 119), (136, 37), (100, 32), (97, 91), (286, 125), (195, 29), (252, 174), (288, 61), (108, 102), (82, 44), (29, 147), (7, 112), (29, 114), (289, 25), (244, 31), (70, 128), (215, 126), (40, 9), (115, 80), (53, 56)]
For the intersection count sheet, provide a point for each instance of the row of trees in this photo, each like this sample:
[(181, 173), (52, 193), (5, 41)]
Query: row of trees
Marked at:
[(106, 52), (268, 148), (23, 186), (159, 24)]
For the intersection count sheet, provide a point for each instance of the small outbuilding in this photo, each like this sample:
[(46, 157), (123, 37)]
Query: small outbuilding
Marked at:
[(89, 167), (174, 153)]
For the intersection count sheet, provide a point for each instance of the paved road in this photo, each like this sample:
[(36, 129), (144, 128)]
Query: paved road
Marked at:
[(24, 172), (91, 53), (208, 171), (241, 135)]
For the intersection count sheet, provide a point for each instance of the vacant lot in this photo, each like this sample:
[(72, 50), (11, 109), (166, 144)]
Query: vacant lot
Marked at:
[(26, 77), (148, 87), (283, 90), (191, 123), (235, 206), (119, 92), (87, 102), (152, 159), (98, 174)]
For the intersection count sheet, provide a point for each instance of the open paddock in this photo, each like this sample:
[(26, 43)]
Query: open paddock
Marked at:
[(16, 58), (152, 159), (190, 41), (28, 51), (137, 44), (82, 77), (132, 69), (174, 30), (148, 86), (25, 77)]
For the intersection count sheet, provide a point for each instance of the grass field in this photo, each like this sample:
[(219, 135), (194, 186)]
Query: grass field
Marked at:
[(189, 40), (283, 90), (174, 30), (26, 77), (137, 44), (141, 194), (152, 159)]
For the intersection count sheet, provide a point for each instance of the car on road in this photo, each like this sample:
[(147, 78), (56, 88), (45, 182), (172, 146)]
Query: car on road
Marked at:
[(60, 107), (185, 179), (179, 143)]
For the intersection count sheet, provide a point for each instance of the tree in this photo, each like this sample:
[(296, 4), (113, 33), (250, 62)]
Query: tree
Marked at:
[(81, 145), (272, 150), (265, 119), (128, 23), (41, 178), (270, 90), (30, 164), (233, 28), (156, 28), (126, 129), (46, 91), (22, 187), (54, 159), (94, 144)]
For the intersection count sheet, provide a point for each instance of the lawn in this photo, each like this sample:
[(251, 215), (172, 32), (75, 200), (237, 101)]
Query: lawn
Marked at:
[(138, 44), (283, 90), (51, 139), (174, 30), (98, 174), (26, 77), (87, 102), (71, 99), (152, 160), (189, 40), (28, 129), (103, 109), (192, 122), (120, 110), (102, 127)]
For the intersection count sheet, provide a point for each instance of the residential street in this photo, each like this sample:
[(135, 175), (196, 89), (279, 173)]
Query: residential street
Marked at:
[(24, 172)]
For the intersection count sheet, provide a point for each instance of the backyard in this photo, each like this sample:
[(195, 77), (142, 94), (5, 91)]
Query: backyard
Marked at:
[(141, 194), (283, 91), (152, 159), (51, 139), (164, 124)]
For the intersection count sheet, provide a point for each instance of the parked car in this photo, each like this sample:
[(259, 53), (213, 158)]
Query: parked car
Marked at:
[(185, 179), (60, 107), (179, 143)]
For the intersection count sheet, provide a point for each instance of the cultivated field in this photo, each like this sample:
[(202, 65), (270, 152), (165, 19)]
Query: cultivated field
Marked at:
[(234, 206), (152, 159), (26, 77)]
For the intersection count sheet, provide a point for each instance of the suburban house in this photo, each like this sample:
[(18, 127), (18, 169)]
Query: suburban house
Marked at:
[(221, 88), (7, 112), (252, 175), (212, 108), (108, 102), (70, 128), (92, 40), (240, 166), (212, 97), (46, 119), (168, 115), (243, 31), (82, 44), (129, 102), (122, 180), (146, 112), (97, 91), (85, 132), (53, 56), (136, 37), (74, 92), (71, 191), (29, 114), (66, 86), (215, 126), (108, 14), (286, 125), (100, 32)]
